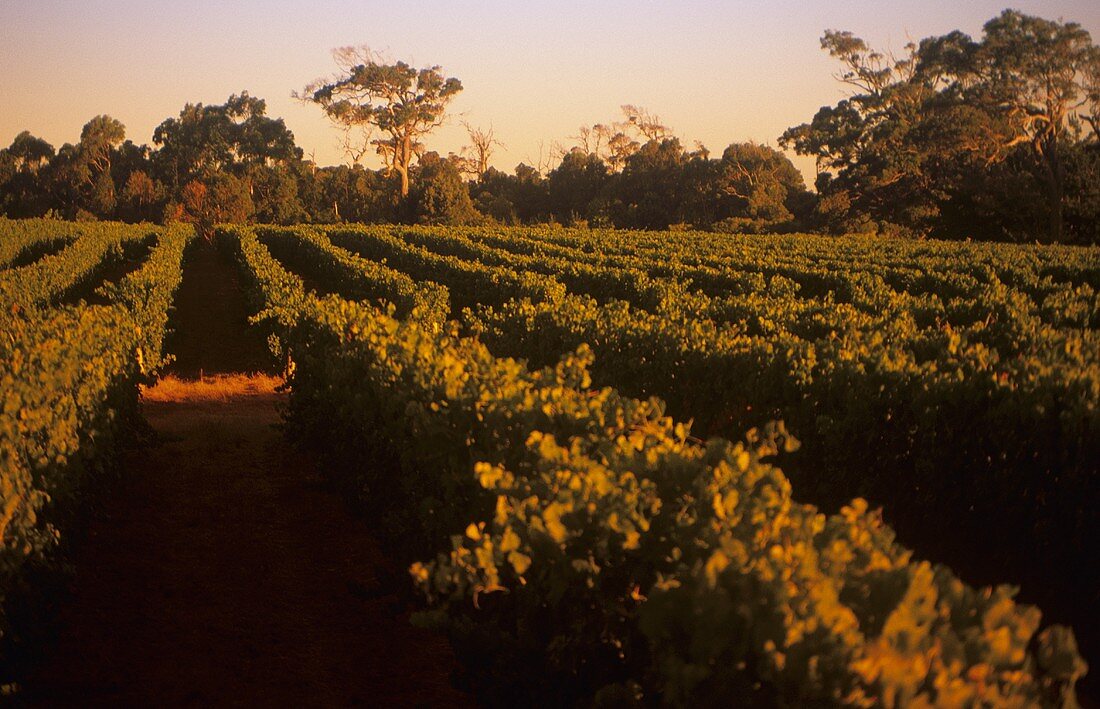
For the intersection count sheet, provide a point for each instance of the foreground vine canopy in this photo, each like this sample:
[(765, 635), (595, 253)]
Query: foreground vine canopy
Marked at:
[(568, 527), (636, 468)]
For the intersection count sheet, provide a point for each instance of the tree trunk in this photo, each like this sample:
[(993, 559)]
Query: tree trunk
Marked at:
[(1057, 193), (1055, 187), (403, 160), (403, 170)]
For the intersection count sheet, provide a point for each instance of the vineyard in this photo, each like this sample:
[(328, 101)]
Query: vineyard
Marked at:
[(633, 467)]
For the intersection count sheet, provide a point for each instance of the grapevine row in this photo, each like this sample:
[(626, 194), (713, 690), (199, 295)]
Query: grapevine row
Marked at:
[(26, 239), (68, 382), (879, 405), (470, 283), (48, 279), (577, 539)]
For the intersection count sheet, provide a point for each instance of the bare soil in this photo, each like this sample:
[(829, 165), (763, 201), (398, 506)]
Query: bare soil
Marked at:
[(223, 571), (211, 320)]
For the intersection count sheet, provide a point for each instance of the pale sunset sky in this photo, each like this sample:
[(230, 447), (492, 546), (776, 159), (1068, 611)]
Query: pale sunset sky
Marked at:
[(716, 72)]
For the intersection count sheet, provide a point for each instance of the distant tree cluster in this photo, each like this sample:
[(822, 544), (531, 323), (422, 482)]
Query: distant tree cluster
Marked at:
[(213, 163), (652, 182), (995, 138)]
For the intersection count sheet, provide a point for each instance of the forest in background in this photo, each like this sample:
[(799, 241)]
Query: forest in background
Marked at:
[(994, 138)]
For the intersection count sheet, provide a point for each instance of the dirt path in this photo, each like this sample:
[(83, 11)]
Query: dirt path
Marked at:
[(223, 572), (211, 320)]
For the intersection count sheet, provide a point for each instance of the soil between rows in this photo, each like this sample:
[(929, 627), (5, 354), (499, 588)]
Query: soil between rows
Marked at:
[(223, 570)]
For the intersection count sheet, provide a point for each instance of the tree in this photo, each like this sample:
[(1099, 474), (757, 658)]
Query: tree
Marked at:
[(404, 103), (274, 192), (866, 146), (221, 198), (531, 195), (349, 193), (138, 197), (1034, 73), (955, 136), (98, 140), (1082, 162), (702, 203), (79, 178), (24, 191), (1091, 112), (254, 138), (29, 152), (482, 145), (615, 142), (761, 185), (646, 123), (205, 140), (649, 192), (440, 197), (575, 184)]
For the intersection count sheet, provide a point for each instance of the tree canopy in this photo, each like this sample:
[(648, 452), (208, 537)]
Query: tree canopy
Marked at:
[(207, 139), (994, 137), (403, 102), (928, 138)]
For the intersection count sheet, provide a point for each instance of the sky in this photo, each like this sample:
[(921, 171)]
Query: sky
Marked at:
[(715, 72)]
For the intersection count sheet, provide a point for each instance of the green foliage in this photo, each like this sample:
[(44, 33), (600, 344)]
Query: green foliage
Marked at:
[(574, 184), (48, 279), (29, 151), (899, 366), (25, 239), (404, 103), (580, 545), (221, 198), (466, 279), (440, 197), (915, 144), (68, 383), (353, 276), (208, 139), (649, 191)]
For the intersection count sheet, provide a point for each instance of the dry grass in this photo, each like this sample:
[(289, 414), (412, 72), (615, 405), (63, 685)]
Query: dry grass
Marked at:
[(221, 387)]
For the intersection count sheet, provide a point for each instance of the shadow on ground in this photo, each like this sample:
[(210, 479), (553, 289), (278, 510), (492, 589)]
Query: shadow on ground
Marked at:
[(222, 571)]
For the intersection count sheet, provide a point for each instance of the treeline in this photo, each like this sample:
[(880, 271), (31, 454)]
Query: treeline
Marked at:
[(232, 163), (992, 139)]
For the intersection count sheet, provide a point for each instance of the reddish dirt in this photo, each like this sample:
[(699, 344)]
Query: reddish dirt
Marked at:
[(224, 572), (211, 320)]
